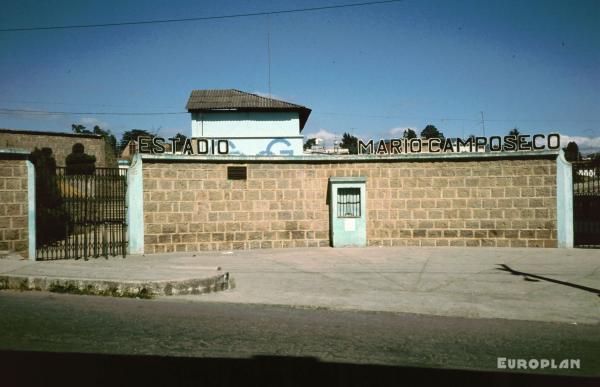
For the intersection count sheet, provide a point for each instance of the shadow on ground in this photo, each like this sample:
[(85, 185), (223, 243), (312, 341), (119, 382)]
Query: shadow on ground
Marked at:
[(536, 278), (61, 369)]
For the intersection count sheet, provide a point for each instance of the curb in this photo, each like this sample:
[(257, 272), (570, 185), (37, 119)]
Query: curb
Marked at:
[(133, 289)]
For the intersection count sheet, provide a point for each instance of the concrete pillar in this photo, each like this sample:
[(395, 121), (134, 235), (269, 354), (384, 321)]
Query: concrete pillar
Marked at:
[(564, 201), (135, 206), (31, 210)]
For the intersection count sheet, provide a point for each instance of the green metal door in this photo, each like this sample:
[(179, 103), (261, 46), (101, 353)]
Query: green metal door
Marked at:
[(348, 210)]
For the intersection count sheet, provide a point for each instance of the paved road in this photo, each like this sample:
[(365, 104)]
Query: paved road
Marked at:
[(38, 321)]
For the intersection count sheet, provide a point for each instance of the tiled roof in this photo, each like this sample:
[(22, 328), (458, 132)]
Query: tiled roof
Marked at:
[(207, 100)]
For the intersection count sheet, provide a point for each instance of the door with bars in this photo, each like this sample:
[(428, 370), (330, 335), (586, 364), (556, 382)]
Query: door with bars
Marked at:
[(348, 211)]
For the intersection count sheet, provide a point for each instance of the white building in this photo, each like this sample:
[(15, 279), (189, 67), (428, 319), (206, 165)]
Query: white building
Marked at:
[(252, 125)]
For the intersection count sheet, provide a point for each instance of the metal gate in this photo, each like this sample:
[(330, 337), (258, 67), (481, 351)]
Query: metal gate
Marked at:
[(81, 216), (586, 203)]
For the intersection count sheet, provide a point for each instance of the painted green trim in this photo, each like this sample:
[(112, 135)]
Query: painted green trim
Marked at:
[(14, 151), (135, 206), (31, 210), (349, 179), (355, 158), (564, 201), (347, 232)]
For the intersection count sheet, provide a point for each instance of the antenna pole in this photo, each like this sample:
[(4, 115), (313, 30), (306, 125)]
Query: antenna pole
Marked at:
[(482, 123), (269, 49)]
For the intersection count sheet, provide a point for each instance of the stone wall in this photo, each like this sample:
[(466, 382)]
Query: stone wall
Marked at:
[(60, 143), (13, 206), (190, 206)]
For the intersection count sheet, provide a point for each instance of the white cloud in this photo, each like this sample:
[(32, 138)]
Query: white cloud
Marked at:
[(323, 134), (399, 131), (90, 122), (586, 144)]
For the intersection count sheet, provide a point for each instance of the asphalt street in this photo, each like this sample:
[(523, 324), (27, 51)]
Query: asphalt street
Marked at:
[(39, 321)]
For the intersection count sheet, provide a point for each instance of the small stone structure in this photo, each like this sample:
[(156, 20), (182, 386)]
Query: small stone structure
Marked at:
[(60, 143)]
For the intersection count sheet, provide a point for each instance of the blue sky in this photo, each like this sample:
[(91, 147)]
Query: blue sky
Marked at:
[(371, 71)]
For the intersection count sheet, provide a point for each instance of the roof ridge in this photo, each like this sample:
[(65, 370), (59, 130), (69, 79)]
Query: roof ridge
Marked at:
[(252, 94), (267, 98)]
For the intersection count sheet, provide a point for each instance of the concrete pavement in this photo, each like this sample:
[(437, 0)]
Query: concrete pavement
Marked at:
[(134, 276), (461, 282), (560, 285)]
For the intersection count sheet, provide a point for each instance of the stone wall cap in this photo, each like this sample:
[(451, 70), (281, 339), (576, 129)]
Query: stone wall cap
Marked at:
[(48, 133), (14, 151), (349, 179)]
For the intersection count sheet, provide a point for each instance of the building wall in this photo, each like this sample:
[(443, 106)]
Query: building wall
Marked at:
[(60, 143), (13, 206), (190, 206), (245, 124), (281, 146), (252, 133)]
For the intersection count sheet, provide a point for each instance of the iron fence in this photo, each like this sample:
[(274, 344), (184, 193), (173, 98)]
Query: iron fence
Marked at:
[(81, 216), (586, 203)]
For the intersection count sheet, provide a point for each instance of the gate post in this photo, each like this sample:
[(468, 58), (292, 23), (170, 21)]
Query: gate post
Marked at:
[(135, 206), (564, 201), (31, 210)]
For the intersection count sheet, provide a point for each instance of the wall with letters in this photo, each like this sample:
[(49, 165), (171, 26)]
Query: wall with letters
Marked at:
[(192, 206)]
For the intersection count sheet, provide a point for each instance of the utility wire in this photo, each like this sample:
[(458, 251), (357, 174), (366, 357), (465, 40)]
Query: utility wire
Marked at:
[(51, 112), (18, 111), (201, 18), (17, 101), (478, 120)]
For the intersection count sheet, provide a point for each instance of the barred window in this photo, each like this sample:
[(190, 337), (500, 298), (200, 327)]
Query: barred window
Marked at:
[(348, 202)]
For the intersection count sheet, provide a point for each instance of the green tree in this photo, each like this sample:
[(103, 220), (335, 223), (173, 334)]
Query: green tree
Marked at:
[(409, 133), (132, 134), (309, 143), (181, 139), (572, 151), (350, 142), (79, 129), (514, 132), (106, 135), (431, 131)]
